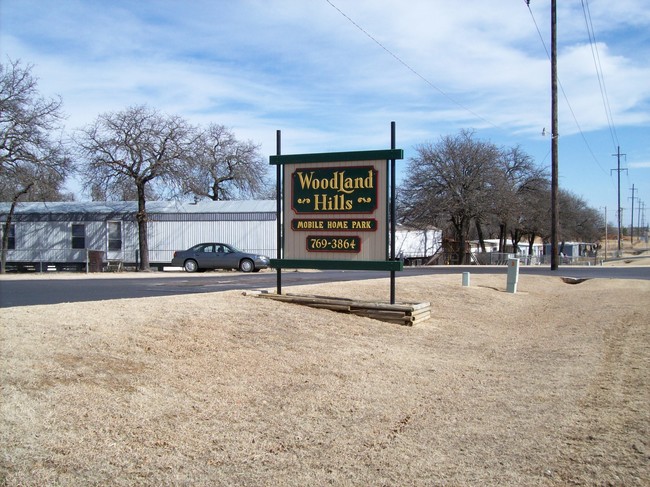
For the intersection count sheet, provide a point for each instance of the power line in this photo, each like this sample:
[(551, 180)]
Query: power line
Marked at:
[(454, 101), (412, 70), (566, 98), (599, 70)]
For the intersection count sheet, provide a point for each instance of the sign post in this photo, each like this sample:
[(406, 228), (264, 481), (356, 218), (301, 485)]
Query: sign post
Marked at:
[(392, 213), (334, 210), (278, 208)]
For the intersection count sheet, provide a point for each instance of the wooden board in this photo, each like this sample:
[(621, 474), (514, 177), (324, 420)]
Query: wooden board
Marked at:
[(407, 314)]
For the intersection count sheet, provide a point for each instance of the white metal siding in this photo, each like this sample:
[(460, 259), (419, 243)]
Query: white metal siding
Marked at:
[(45, 242), (95, 236), (44, 230), (249, 236), (417, 243)]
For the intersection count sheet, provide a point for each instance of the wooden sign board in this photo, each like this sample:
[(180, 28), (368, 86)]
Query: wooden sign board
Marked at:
[(335, 210)]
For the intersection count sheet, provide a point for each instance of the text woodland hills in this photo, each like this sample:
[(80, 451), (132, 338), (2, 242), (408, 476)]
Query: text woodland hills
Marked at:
[(334, 190)]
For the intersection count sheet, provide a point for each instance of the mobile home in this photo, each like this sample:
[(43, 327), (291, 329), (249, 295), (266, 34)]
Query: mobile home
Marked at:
[(66, 235), (416, 245)]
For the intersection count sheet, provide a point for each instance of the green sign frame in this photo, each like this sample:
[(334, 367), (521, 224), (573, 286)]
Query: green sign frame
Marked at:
[(338, 184)]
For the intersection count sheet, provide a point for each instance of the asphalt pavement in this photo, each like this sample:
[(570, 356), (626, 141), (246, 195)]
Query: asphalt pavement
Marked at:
[(35, 289)]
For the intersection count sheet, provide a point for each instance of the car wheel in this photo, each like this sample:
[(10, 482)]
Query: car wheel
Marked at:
[(191, 266), (246, 265)]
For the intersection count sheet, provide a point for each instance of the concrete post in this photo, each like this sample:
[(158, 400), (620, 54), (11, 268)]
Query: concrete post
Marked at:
[(465, 279), (513, 275)]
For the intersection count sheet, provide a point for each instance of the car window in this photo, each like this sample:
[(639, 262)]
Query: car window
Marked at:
[(208, 248)]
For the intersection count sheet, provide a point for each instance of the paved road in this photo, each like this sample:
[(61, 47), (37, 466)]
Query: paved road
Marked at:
[(33, 289)]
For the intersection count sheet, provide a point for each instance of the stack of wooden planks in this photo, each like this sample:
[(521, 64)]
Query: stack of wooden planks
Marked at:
[(408, 314)]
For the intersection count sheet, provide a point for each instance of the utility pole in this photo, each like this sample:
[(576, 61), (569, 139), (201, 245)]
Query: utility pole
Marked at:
[(618, 170), (606, 238), (643, 223), (555, 211), (638, 222), (632, 217)]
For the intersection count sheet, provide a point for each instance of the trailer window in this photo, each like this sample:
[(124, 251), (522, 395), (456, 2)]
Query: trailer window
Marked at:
[(12, 236), (78, 236), (114, 236)]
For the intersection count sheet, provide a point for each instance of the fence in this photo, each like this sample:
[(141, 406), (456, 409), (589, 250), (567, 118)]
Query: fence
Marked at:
[(579, 260), (501, 258)]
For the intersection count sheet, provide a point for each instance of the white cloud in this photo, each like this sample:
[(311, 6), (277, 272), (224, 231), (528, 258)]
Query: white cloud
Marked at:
[(302, 67), (639, 165)]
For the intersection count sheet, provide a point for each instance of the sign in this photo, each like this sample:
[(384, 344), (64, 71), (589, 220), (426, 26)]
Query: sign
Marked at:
[(328, 243), (343, 225), (335, 210), (343, 201), (338, 190)]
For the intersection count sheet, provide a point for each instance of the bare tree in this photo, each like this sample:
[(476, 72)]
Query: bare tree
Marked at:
[(222, 168), (33, 162), (461, 180), (516, 181), (448, 185), (578, 221), (136, 151), (537, 215)]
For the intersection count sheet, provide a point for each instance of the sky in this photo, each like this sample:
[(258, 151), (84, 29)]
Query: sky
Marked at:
[(332, 75)]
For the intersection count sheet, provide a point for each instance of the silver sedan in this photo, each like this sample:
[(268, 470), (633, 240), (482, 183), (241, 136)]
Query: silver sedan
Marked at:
[(218, 256)]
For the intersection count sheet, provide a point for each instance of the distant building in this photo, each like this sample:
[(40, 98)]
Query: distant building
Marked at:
[(571, 252), (492, 256), (66, 235), (417, 245)]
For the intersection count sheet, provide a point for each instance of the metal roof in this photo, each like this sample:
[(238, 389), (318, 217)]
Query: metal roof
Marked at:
[(153, 207)]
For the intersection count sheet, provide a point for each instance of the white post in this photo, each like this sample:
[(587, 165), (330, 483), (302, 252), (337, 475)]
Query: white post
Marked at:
[(465, 279), (513, 275)]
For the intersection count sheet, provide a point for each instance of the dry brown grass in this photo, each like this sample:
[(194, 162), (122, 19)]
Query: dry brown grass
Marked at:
[(548, 386)]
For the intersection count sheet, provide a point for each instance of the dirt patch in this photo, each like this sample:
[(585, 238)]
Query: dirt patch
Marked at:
[(548, 386)]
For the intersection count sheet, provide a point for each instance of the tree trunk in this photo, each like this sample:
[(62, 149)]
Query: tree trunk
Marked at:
[(455, 245), (142, 230), (515, 237), (479, 232), (502, 238), (462, 242), (531, 242), (215, 191)]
